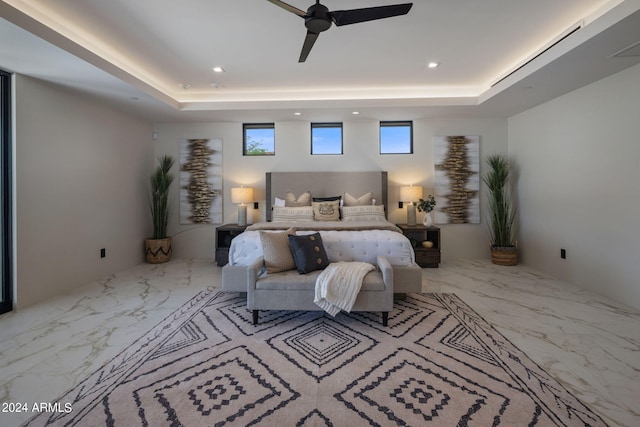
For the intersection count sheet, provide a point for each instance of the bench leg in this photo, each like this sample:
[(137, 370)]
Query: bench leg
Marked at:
[(255, 317), (385, 318)]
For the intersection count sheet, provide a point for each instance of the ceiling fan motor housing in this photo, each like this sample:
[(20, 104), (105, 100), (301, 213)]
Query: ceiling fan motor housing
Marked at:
[(318, 18)]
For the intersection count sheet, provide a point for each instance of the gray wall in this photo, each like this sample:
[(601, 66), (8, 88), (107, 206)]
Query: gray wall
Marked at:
[(80, 173), (579, 160), (361, 152)]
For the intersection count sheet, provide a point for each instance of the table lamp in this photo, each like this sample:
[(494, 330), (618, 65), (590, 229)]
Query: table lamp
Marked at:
[(242, 196), (411, 195)]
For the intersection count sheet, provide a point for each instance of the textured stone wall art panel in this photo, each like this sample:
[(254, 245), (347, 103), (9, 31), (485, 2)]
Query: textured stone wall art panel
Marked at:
[(457, 179), (201, 181)]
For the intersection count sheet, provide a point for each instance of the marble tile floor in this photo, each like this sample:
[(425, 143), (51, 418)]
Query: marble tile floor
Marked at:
[(589, 343)]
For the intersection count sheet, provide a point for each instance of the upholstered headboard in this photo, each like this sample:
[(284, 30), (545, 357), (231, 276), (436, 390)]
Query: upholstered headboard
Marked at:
[(326, 184)]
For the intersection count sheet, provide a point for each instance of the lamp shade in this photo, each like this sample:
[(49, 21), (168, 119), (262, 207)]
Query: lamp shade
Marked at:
[(242, 195), (412, 193)]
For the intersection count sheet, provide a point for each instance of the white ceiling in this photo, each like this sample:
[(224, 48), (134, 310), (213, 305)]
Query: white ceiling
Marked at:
[(136, 54)]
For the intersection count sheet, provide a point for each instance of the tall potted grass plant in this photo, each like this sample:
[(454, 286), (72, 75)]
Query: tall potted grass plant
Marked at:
[(158, 247), (502, 211)]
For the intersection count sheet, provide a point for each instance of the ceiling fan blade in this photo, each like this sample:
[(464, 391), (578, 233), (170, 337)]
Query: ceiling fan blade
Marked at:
[(354, 16), (290, 8), (308, 44)]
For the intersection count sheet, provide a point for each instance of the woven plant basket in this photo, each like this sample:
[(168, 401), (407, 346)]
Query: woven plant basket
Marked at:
[(507, 255), (158, 250)]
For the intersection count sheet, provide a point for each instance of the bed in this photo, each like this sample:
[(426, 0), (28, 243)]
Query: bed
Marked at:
[(362, 234), (348, 212), (344, 240)]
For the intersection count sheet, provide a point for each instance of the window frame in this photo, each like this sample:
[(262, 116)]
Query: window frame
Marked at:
[(325, 125), (6, 233), (250, 126), (397, 123)]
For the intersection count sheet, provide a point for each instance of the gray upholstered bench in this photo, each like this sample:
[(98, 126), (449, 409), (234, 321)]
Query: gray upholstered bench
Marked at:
[(289, 290), (406, 279)]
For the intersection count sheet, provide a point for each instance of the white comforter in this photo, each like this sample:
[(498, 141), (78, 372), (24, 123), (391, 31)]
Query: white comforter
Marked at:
[(341, 245), (338, 285)]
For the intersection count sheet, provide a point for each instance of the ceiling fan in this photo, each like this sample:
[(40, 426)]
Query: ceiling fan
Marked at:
[(318, 18)]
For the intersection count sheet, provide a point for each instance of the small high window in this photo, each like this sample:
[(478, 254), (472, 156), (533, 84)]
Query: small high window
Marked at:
[(326, 138), (396, 137), (259, 139)]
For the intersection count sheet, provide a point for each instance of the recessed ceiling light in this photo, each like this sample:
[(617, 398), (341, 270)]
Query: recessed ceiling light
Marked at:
[(184, 86), (355, 113), (297, 113), (218, 70), (433, 64)]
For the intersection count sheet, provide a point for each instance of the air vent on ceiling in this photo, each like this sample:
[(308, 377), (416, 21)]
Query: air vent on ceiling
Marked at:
[(544, 49), (629, 51)]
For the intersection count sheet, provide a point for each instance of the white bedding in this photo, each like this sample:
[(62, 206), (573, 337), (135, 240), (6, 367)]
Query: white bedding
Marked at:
[(340, 245)]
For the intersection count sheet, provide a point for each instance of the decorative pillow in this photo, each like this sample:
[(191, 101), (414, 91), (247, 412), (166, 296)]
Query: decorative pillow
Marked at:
[(303, 213), (275, 247), (327, 199), (364, 200), (326, 211), (308, 252), (291, 200), (363, 213), (279, 202)]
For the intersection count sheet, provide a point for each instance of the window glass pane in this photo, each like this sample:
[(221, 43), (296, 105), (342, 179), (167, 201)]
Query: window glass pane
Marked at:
[(5, 195), (326, 138), (259, 140), (396, 138), (2, 174)]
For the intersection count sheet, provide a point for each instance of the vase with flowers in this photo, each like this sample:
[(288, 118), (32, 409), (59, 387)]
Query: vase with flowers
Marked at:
[(426, 206)]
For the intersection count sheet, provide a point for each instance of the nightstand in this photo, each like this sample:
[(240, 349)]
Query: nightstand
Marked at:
[(425, 257), (224, 235)]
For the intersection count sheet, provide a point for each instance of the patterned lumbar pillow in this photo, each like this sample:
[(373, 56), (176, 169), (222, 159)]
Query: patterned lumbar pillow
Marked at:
[(326, 211), (275, 247), (291, 200), (363, 213), (300, 213), (308, 252)]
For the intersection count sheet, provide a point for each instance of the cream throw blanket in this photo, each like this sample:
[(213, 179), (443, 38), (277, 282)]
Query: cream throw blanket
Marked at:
[(338, 285)]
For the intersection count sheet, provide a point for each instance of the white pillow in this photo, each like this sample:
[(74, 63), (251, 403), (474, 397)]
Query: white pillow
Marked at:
[(302, 200), (279, 202), (364, 200), (363, 213), (302, 213)]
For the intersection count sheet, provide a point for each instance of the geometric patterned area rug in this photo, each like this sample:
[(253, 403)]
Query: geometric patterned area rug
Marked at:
[(437, 363)]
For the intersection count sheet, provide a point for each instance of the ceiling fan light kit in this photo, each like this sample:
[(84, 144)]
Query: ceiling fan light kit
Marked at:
[(318, 18)]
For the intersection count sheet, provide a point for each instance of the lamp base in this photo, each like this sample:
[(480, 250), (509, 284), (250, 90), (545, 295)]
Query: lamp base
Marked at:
[(242, 214), (411, 214)]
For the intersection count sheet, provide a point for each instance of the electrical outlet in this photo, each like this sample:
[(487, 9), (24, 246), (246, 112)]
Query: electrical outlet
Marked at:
[(563, 253), (103, 253)]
